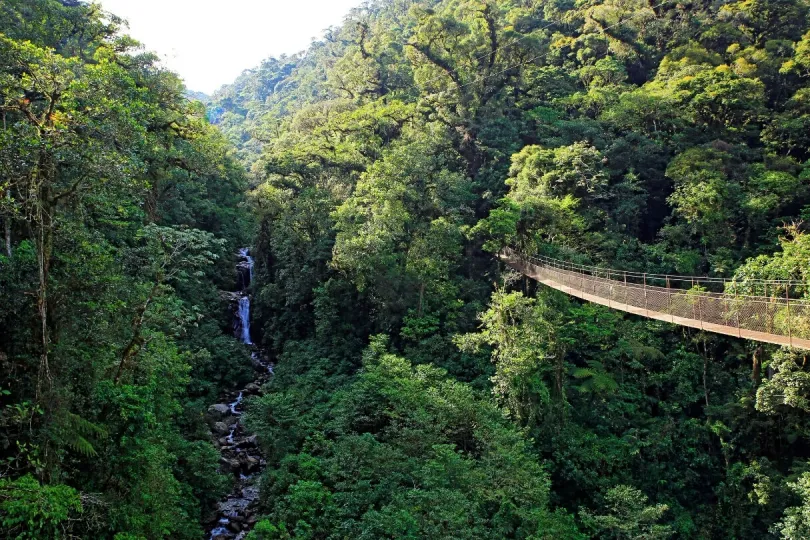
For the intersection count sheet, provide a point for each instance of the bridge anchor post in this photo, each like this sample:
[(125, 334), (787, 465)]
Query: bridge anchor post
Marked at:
[(669, 302), (790, 322), (646, 311)]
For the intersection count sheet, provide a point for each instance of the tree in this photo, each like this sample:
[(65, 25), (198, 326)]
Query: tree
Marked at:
[(31, 510), (796, 522), (575, 170), (118, 204), (628, 516), (524, 350), (704, 195)]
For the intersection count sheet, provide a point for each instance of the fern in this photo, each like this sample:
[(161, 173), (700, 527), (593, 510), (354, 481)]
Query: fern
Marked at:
[(81, 445), (639, 351), (636, 352), (595, 379), (76, 433)]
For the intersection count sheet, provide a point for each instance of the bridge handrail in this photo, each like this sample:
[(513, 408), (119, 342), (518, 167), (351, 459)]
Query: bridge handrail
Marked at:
[(558, 263), (608, 274), (781, 319)]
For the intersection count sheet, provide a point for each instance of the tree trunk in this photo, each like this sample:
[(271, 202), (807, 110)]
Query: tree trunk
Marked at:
[(43, 256), (134, 345), (756, 368), (7, 220), (7, 223), (705, 372), (44, 210)]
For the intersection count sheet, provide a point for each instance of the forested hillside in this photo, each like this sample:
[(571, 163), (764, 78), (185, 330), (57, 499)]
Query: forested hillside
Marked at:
[(120, 212), (423, 392), (420, 389)]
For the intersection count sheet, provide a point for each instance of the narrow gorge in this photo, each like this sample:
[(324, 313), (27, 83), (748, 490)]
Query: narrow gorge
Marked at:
[(234, 516), (380, 372)]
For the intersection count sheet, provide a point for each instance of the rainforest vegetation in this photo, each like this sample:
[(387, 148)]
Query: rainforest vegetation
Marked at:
[(120, 212), (421, 389)]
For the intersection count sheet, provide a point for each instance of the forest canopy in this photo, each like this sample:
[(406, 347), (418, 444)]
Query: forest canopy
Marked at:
[(421, 389), (120, 210), (395, 157)]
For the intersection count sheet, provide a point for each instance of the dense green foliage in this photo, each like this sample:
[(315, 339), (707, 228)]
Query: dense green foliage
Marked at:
[(120, 210), (421, 390), (397, 154)]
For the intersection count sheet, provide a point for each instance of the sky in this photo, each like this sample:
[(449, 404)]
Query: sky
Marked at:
[(210, 42)]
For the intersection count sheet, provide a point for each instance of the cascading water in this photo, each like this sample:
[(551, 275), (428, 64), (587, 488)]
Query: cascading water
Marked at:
[(256, 357), (244, 320), (235, 404), (221, 530), (240, 454), (245, 254)]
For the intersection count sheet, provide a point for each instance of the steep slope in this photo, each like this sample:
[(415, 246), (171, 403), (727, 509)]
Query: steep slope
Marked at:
[(420, 137), (120, 211)]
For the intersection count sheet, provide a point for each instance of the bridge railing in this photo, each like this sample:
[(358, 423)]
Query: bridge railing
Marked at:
[(688, 300)]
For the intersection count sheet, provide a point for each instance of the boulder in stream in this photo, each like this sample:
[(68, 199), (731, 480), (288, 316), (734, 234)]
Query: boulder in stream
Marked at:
[(247, 442), (251, 464), (230, 465), (220, 409), (221, 428)]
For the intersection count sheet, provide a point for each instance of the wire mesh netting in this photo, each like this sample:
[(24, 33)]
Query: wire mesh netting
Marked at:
[(780, 317)]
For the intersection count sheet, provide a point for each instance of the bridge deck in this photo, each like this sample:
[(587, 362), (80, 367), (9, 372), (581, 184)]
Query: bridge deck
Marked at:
[(709, 312)]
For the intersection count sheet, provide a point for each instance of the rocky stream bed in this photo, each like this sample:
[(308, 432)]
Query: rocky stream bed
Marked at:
[(240, 456)]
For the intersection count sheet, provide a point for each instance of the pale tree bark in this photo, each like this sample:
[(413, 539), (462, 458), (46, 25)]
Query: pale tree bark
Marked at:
[(7, 220), (39, 204), (7, 223), (756, 368), (44, 243)]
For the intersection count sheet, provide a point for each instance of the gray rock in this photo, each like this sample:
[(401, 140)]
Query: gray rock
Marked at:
[(219, 409), (229, 465), (221, 428), (252, 388), (252, 464), (247, 442)]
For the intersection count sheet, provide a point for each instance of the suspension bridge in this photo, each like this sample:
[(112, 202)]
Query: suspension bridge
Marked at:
[(777, 315)]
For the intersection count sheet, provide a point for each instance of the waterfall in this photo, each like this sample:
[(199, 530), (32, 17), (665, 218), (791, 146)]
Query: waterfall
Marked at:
[(245, 254), (235, 404), (239, 452), (244, 319), (242, 322)]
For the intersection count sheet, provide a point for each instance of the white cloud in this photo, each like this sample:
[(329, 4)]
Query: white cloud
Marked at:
[(210, 42)]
